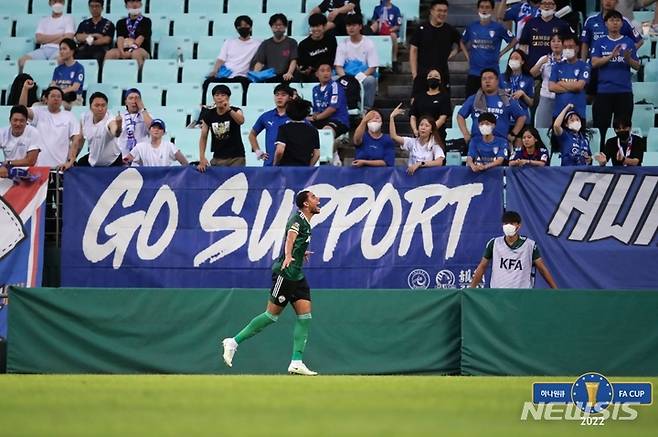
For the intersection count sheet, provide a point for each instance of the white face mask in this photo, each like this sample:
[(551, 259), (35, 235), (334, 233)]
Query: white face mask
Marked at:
[(509, 229), (374, 126), (57, 8), (568, 53), (547, 13), (484, 16), (575, 126), (486, 129), (135, 11), (514, 64)]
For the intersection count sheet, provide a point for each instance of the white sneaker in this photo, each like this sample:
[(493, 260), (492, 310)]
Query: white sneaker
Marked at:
[(300, 369), (230, 346)]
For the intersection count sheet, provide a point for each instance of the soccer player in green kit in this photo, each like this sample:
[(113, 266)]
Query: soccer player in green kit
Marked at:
[(288, 285)]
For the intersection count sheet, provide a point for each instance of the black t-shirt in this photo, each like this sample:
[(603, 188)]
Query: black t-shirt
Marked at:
[(635, 150), (434, 46), (141, 28), (434, 106), (312, 53), (300, 140), (104, 27), (339, 21), (225, 134)]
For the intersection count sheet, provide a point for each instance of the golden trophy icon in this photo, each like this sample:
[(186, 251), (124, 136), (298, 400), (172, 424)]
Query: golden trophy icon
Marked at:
[(592, 389)]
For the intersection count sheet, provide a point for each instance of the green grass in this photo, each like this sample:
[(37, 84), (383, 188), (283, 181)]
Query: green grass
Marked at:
[(90, 405)]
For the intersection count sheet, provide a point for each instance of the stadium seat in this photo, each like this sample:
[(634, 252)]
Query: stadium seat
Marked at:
[(160, 27), (642, 16), (595, 142), (650, 159), (166, 7), (6, 24), (113, 93), (160, 71), (251, 114), (643, 117), (187, 95), (196, 70), (651, 71), (187, 141), (208, 47), (250, 157), (14, 48), (79, 111), (205, 6), (8, 71), (174, 117), (81, 7), (236, 93), (647, 91), (170, 45), (556, 160), (260, 94), (274, 6), (410, 9), (297, 24), (588, 116), (151, 92), (453, 158), (544, 136), (645, 49), (16, 8), (326, 145), (455, 112), (244, 7), (453, 133), (91, 71), (4, 113), (192, 25), (119, 71), (40, 7), (26, 26), (652, 140), (41, 71)]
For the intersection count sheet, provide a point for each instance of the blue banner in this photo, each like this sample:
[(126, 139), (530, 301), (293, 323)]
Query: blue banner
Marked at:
[(595, 227), (176, 227)]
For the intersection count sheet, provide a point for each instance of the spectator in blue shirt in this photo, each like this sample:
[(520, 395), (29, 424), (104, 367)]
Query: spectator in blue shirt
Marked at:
[(520, 13), (572, 138), (486, 151), (614, 55), (536, 37), (387, 20), (518, 83), (490, 98), (372, 147), (69, 75), (271, 121), (569, 79), (595, 28), (481, 43)]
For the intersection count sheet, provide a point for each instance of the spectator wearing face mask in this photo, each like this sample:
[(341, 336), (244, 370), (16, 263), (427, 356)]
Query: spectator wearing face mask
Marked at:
[(372, 147), (435, 102), (624, 150), (536, 37), (572, 138), (486, 150), (518, 83), (50, 32), (278, 52), (569, 79)]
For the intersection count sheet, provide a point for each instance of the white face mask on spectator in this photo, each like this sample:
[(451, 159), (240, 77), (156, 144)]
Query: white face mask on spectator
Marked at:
[(486, 129), (514, 64), (57, 8), (484, 16), (509, 229), (135, 11), (547, 13), (374, 126), (568, 53), (574, 125)]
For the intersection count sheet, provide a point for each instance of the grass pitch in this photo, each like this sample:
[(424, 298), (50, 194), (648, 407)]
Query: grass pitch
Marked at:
[(152, 405)]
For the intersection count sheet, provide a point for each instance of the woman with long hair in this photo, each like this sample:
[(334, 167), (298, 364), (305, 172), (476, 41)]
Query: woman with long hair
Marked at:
[(572, 137), (543, 67), (434, 102), (425, 150), (518, 83), (532, 152)]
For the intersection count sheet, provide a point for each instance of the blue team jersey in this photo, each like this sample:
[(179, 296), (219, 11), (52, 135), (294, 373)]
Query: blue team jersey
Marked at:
[(504, 114), (521, 82), (270, 121), (372, 149), (65, 76), (614, 76), (595, 28), (392, 16), (568, 72), (484, 47), (521, 13), (574, 148), (537, 36), (333, 95), (484, 152)]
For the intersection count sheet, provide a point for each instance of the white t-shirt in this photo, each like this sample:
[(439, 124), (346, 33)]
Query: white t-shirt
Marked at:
[(237, 55), (103, 148), (365, 51), (55, 26), (148, 156), (133, 128), (422, 152), (545, 71), (56, 131), (17, 147)]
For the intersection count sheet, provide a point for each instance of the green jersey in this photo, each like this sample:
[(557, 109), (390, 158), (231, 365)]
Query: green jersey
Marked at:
[(298, 224)]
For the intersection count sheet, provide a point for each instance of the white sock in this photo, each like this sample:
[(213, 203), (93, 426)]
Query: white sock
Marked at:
[(295, 362)]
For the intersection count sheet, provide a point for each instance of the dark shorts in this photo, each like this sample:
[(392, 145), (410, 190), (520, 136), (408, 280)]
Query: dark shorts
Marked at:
[(284, 290), (338, 127)]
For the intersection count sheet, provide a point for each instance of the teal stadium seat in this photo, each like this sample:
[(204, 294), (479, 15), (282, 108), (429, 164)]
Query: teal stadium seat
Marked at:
[(250, 157), (169, 46), (14, 48), (161, 71), (8, 71), (236, 93), (650, 159), (260, 95), (252, 113), (410, 9), (453, 158), (187, 141), (187, 95), (191, 25), (205, 6), (26, 26), (174, 117), (112, 91), (651, 71), (455, 112), (326, 145), (647, 91), (151, 92), (40, 7), (4, 113), (91, 72), (119, 71), (453, 133), (643, 117), (159, 27), (41, 71), (642, 16), (244, 7), (17, 8), (79, 111), (652, 140), (6, 24), (166, 7), (81, 7), (196, 70), (275, 6), (208, 47), (645, 49), (297, 23)]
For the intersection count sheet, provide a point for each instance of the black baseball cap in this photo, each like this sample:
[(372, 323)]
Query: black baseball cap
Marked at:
[(221, 89)]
